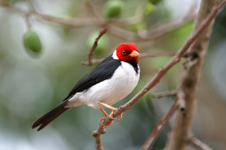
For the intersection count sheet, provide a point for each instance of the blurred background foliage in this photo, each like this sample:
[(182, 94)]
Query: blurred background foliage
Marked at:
[(33, 84)]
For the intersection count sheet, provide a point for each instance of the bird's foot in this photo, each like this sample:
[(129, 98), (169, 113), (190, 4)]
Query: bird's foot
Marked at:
[(112, 113), (113, 110), (101, 119)]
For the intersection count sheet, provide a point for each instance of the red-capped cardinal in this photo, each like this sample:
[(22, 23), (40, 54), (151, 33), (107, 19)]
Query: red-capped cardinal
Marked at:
[(109, 82)]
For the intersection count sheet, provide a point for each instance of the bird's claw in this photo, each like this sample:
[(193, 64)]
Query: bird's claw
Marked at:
[(111, 117), (120, 117), (112, 113), (101, 119)]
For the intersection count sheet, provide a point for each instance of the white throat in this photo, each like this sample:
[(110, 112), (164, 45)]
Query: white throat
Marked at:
[(114, 55)]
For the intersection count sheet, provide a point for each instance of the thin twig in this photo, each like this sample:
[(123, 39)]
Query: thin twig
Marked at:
[(28, 16), (102, 31), (164, 94), (194, 142), (159, 126), (155, 80)]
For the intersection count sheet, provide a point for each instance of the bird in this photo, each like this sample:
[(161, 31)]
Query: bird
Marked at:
[(109, 82)]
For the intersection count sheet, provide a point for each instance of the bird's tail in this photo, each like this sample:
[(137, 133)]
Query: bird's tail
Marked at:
[(50, 116)]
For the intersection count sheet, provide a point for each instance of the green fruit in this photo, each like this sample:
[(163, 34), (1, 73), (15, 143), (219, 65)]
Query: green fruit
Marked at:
[(101, 45), (113, 8), (155, 2), (32, 42)]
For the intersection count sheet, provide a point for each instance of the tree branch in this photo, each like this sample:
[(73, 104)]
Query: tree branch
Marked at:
[(194, 142), (97, 136), (164, 94), (102, 31), (159, 126), (155, 80), (182, 128)]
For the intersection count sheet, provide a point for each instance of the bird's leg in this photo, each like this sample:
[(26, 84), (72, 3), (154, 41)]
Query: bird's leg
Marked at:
[(113, 110), (106, 115)]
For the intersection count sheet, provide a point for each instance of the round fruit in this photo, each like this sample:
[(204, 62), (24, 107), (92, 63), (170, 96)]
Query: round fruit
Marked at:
[(32, 42), (113, 8), (101, 45)]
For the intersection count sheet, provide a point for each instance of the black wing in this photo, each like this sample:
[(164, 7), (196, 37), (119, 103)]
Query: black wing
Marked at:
[(104, 70)]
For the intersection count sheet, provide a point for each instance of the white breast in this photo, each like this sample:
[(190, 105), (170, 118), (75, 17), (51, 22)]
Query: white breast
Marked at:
[(109, 91)]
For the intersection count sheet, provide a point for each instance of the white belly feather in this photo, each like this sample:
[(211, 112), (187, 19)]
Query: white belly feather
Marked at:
[(109, 91)]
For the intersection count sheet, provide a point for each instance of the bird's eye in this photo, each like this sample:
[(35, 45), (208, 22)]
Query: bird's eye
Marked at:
[(124, 52)]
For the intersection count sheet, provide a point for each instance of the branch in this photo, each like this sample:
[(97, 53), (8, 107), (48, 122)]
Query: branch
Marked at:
[(194, 142), (179, 103), (182, 128), (164, 94), (159, 126), (102, 31), (155, 80), (97, 137)]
